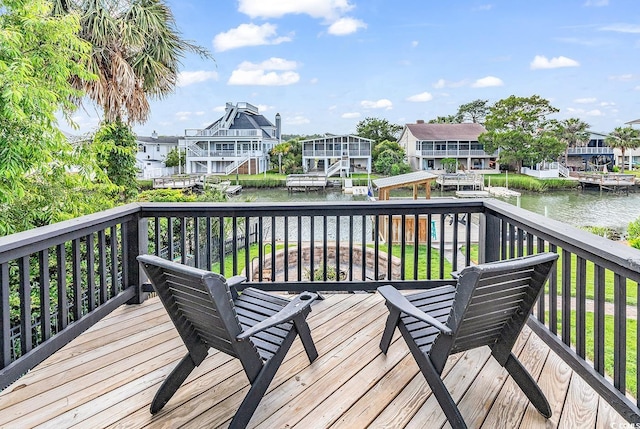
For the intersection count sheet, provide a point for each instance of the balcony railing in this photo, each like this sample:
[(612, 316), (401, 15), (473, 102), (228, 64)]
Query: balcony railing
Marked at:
[(605, 150), (454, 152), (57, 281)]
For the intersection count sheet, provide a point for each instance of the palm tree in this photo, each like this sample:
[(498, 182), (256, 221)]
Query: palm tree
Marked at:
[(623, 138), (572, 132), (136, 53)]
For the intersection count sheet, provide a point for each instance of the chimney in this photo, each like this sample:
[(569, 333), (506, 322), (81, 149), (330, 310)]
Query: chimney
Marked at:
[(278, 127), (154, 135), (420, 121)]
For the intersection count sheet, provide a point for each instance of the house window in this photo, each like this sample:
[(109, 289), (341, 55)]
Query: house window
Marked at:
[(158, 148)]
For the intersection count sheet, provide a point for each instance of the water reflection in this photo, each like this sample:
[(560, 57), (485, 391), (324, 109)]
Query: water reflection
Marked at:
[(578, 208)]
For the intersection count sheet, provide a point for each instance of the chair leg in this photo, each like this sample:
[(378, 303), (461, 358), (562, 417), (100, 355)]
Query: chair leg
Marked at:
[(389, 328), (528, 385), (305, 336), (441, 393), (172, 383)]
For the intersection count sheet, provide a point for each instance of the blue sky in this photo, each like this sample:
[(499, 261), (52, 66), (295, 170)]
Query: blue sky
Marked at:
[(324, 65)]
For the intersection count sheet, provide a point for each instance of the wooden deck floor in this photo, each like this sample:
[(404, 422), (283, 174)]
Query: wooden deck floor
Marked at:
[(108, 376)]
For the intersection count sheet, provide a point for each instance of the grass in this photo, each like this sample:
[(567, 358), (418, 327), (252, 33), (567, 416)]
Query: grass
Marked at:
[(631, 356), (632, 293), (528, 183), (396, 250)]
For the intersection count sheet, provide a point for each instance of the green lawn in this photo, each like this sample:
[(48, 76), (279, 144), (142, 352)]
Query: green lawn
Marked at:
[(632, 291)]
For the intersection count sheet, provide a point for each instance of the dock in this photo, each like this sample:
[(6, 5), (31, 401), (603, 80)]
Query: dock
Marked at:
[(614, 182), (461, 181), (500, 191), (306, 182), (182, 182), (472, 194)]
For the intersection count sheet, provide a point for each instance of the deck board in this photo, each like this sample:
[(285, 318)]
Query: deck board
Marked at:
[(108, 376)]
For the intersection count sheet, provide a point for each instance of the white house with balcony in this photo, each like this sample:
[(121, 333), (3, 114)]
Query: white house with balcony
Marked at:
[(426, 145), (239, 141), (333, 154)]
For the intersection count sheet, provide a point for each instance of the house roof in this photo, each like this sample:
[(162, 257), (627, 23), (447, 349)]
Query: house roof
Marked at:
[(636, 121), (158, 139), (467, 131), (404, 179)]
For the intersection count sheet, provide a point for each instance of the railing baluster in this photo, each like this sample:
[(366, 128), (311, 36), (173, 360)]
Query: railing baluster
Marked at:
[(157, 232), (209, 256), (91, 272), (540, 307), (45, 296), (581, 306), (454, 247), (26, 334), (196, 242), (389, 245), (403, 252), (553, 294), (599, 318), (260, 249), (351, 261), (170, 243), (441, 247), (312, 245), (337, 248), (619, 332), (102, 265), (300, 255), (248, 268), (430, 232), (566, 297), (5, 313), (325, 248), (503, 239), (114, 262), (273, 248), (76, 280), (63, 307), (416, 245), (376, 249), (183, 239)]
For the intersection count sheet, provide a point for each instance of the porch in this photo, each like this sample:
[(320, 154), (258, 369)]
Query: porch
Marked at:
[(108, 376), (581, 345)]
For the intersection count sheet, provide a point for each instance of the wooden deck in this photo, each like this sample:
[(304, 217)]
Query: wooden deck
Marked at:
[(108, 376)]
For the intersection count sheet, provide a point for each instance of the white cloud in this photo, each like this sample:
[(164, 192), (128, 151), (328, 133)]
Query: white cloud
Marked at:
[(351, 115), (219, 108), (183, 116), (248, 35), (637, 88), (582, 112), (607, 104), (264, 107), (587, 100), (441, 83), (623, 77), (313, 80), (542, 62), (187, 78), (423, 96), (326, 9), (622, 28), (383, 103), (344, 26), (596, 3), (265, 73), (296, 120), (486, 82), (414, 43)]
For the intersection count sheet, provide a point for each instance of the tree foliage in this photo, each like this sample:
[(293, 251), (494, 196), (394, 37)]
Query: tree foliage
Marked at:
[(38, 56), (450, 119), (474, 111), (136, 53), (116, 149), (388, 158), (288, 155), (378, 130), (518, 127), (571, 132), (623, 138), (175, 157)]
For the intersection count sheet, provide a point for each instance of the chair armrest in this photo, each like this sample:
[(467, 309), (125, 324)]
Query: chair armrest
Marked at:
[(288, 312), (397, 300), (236, 280)]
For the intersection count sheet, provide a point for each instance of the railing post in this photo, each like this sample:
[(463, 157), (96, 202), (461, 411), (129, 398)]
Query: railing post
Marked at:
[(489, 249), (136, 243)]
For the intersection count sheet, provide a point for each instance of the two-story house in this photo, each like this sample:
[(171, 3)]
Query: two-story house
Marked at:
[(152, 153), (239, 141), (590, 155), (426, 145), (333, 154)]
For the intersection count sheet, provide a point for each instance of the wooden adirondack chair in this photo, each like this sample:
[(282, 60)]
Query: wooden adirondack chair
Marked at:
[(488, 307), (256, 327)]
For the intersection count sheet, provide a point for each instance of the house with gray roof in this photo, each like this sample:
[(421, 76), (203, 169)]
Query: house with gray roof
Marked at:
[(239, 141), (152, 153), (426, 145)]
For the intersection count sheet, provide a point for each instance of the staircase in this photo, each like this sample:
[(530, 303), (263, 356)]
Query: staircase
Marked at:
[(564, 171), (235, 165), (195, 150), (337, 166)]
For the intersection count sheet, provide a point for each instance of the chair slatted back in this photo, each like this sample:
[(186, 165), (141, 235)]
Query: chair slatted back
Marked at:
[(493, 302), (201, 307)]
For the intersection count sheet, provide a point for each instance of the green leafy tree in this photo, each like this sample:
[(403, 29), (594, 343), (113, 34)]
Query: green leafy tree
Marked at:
[(38, 57), (623, 138), (136, 53), (571, 132), (518, 127), (175, 157), (474, 111), (451, 119), (279, 150), (116, 149), (378, 130)]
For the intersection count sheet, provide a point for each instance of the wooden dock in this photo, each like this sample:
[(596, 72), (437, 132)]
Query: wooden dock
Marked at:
[(607, 182), (107, 378), (461, 181), (306, 182)]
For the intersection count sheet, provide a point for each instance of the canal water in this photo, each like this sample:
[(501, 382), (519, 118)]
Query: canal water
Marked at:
[(575, 207)]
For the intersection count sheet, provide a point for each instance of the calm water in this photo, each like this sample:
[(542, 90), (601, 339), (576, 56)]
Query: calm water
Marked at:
[(588, 208)]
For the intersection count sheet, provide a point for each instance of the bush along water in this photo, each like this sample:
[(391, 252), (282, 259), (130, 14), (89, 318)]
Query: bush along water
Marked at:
[(528, 183)]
